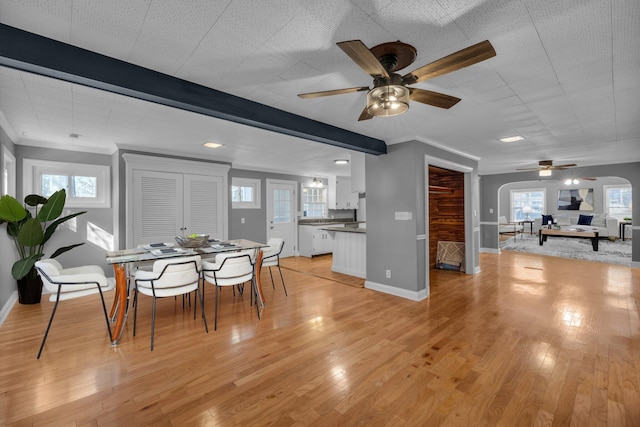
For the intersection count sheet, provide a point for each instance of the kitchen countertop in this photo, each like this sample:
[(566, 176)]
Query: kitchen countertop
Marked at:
[(346, 229), (329, 223)]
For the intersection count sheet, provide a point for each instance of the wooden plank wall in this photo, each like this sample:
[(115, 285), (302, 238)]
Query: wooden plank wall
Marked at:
[(446, 209)]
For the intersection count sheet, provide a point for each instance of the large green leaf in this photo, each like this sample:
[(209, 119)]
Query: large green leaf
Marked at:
[(65, 249), (54, 206), (35, 200), (30, 233), (11, 210), (52, 227), (24, 266)]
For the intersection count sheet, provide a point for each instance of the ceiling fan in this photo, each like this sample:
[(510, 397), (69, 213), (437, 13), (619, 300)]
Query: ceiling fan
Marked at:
[(546, 166), (390, 93)]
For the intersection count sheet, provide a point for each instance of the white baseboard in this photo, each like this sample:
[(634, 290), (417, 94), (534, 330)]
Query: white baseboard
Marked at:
[(6, 309), (490, 251), (392, 290)]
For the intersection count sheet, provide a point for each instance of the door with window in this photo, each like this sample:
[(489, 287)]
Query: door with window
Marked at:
[(281, 214)]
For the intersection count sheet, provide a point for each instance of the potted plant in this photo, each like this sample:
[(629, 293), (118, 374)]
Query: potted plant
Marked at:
[(30, 233)]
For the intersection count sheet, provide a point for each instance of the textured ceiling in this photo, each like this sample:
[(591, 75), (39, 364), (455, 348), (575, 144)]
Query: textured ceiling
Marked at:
[(566, 77)]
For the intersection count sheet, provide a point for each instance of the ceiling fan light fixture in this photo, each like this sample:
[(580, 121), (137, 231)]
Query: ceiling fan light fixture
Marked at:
[(388, 100), (545, 172)]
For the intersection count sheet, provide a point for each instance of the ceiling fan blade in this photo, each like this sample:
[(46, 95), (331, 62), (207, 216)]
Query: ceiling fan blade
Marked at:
[(365, 115), (361, 55), (332, 92), (560, 167), (530, 169), (460, 59), (433, 98), (587, 178)]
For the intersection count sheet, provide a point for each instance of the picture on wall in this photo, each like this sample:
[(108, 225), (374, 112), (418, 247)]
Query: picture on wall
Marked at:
[(580, 199)]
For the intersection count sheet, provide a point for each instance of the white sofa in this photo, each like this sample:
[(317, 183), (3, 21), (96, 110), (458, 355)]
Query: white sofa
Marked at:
[(606, 226)]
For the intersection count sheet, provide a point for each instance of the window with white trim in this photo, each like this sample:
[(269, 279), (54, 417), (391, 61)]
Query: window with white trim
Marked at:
[(8, 172), (87, 186), (245, 193), (314, 202), (617, 201), (528, 203)]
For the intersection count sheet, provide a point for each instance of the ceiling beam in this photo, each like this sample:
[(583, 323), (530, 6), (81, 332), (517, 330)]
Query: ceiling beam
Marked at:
[(30, 52)]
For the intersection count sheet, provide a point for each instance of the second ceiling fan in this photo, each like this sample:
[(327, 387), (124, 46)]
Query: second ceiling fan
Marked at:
[(390, 94)]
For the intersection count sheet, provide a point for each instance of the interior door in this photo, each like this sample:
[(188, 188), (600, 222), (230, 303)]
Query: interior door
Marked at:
[(203, 212), (157, 206), (282, 206)]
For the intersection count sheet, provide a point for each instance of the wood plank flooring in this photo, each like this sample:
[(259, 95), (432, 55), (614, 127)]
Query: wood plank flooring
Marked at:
[(530, 340)]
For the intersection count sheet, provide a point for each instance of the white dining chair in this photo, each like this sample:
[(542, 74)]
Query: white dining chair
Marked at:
[(168, 278), (271, 258), (228, 269), (74, 282)]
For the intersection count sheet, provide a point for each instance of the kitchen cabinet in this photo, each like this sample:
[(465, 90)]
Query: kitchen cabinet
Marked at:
[(343, 198), (313, 240)]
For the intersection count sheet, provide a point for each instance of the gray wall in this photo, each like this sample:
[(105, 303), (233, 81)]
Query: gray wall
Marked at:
[(8, 253), (395, 182), (89, 253), (490, 186)]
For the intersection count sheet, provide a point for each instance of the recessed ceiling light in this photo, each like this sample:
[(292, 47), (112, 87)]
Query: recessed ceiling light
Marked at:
[(212, 145), (511, 139), (341, 161)]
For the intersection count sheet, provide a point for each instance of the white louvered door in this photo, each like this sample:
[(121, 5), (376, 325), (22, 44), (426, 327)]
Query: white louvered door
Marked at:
[(166, 205), (157, 206), (202, 205)]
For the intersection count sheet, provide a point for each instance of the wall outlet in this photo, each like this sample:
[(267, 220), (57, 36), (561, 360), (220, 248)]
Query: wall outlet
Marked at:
[(490, 210), (241, 220), (388, 274)]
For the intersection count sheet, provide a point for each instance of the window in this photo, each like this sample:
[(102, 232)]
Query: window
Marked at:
[(314, 202), (87, 186), (245, 193), (527, 203), (617, 201)]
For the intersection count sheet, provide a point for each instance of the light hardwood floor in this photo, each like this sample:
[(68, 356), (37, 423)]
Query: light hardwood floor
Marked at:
[(529, 341)]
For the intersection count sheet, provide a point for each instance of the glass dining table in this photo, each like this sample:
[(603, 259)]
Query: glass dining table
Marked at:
[(123, 261)]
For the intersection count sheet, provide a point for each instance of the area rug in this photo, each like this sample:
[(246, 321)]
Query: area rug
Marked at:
[(617, 252)]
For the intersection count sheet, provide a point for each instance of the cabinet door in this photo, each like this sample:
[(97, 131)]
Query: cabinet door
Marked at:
[(157, 206), (202, 210)]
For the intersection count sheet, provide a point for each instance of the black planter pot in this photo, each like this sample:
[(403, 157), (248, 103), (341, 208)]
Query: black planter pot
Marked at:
[(29, 290)]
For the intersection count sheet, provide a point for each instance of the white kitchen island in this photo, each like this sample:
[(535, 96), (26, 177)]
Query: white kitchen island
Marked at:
[(349, 250)]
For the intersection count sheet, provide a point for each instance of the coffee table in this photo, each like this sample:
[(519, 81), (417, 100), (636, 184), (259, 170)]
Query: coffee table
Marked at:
[(569, 232)]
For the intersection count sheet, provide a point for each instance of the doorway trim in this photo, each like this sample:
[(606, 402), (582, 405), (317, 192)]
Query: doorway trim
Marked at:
[(269, 208), (470, 267)]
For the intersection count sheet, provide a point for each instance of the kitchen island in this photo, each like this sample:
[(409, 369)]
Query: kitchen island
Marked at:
[(349, 250)]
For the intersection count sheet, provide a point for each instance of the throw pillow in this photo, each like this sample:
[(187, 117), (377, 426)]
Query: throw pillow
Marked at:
[(599, 220), (547, 219), (585, 219)]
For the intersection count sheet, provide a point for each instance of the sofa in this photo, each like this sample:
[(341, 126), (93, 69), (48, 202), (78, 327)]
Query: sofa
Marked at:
[(604, 225)]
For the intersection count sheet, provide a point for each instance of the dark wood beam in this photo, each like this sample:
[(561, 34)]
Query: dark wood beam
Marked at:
[(30, 52)]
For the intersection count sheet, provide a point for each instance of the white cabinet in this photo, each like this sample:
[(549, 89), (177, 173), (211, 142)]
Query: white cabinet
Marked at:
[(313, 240), (343, 198)]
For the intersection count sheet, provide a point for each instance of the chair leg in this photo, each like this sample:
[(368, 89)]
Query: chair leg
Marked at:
[(135, 310), (53, 313), (106, 316), (199, 296), (282, 278), (215, 322), (153, 320), (273, 284)]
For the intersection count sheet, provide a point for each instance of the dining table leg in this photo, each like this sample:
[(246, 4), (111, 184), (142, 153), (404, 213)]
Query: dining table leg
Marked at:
[(120, 303)]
